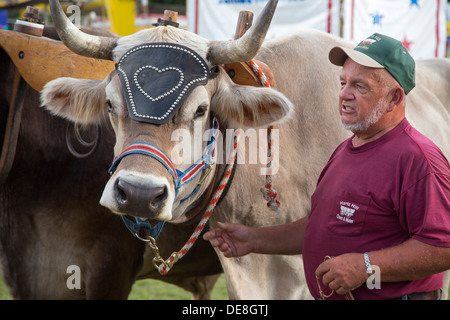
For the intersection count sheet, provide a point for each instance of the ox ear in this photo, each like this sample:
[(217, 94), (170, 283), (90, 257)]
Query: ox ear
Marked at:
[(81, 101), (251, 106)]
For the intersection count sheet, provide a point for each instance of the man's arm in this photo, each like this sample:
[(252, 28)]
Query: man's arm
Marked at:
[(408, 261), (411, 260), (236, 240)]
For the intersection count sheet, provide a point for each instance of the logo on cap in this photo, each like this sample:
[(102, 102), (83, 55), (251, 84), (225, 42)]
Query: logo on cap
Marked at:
[(367, 42)]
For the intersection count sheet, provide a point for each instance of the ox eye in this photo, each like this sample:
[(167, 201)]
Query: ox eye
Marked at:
[(110, 108), (214, 72), (201, 110)]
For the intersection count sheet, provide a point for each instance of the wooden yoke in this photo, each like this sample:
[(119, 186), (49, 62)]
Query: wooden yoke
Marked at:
[(170, 19), (40, 60), (240, 72)]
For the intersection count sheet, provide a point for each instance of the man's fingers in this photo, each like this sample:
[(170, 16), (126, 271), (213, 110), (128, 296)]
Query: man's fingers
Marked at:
[(215, 233), (211, 234), (224, 247), (327, 278), (322, 269), (228, 238), (214, 242), (334, 285), (216, 239)]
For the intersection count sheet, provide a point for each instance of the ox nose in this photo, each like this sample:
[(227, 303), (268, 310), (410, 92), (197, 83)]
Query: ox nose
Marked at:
[(138, 199)]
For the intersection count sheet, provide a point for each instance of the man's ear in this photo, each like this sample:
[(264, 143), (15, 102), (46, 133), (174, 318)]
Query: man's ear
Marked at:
[(246, 106), (397, 97), (81, 101)]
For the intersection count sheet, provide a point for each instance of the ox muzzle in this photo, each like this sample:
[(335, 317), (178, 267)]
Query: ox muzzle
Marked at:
[(140, 199)]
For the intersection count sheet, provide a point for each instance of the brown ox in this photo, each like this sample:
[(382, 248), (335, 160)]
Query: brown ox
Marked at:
[(306, 140), (50, 217)]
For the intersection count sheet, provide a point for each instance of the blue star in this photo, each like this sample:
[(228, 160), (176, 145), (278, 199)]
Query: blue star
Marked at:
[(377, 18), (414, 3)]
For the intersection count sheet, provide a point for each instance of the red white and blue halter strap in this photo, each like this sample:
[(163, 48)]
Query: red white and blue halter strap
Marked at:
[(179, 178)]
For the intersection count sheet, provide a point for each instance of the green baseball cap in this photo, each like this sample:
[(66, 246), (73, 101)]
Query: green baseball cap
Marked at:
[(380, 51)]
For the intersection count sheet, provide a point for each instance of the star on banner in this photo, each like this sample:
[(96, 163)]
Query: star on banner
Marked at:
[(406, 43), (414, 3), (377, 18)]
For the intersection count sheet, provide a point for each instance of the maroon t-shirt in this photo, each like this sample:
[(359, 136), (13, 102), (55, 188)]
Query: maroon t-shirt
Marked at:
[(377, 196)]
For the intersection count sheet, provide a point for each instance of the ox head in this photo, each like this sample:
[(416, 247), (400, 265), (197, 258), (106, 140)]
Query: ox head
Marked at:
[(167, 80)]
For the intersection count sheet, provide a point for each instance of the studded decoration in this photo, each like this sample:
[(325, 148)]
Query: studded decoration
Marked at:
[(157, 77)]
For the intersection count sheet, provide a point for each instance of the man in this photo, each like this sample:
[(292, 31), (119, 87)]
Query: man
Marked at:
[(382, 202)]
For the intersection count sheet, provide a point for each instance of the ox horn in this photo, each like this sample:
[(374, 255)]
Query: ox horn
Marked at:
[(246, 47), (84, 44)]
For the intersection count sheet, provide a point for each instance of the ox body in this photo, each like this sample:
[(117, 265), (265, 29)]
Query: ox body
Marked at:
[(303, 108)]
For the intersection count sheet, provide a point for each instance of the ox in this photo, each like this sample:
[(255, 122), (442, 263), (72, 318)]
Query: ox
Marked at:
[(50, 218), (142, 186)]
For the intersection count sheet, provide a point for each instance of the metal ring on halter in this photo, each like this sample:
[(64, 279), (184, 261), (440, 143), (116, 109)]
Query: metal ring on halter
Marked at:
[(142, 239)]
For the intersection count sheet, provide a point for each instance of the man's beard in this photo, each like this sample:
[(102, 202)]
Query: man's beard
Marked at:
[(373, 118)]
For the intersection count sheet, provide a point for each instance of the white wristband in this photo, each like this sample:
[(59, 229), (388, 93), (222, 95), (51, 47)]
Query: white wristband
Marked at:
[(369, 269)]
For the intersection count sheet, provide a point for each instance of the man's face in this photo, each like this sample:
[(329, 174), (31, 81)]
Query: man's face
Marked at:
[(362, 100)]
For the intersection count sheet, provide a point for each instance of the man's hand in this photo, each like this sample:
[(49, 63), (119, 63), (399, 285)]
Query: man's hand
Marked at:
[(343, 273), (234, 240)]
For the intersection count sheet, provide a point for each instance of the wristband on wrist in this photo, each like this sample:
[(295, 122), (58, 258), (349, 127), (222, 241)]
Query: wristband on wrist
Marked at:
[(369, 269)]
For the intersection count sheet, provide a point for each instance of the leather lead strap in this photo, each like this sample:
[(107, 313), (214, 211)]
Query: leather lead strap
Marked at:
[(12, 125)]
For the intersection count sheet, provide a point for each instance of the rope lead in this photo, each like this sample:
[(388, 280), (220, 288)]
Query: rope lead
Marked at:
[(268, 192)]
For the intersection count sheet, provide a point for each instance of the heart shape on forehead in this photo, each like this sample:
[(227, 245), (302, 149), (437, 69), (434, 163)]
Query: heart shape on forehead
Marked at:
[(151, 78), (156, 78)]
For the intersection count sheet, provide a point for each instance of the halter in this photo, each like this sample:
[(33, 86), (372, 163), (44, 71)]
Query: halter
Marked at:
[(179, 178)]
